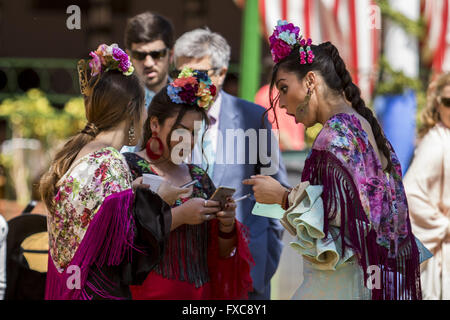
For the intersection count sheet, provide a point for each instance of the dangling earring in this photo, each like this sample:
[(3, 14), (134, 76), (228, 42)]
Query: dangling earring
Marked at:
[(302, 106), (150, 153), (131, 136)]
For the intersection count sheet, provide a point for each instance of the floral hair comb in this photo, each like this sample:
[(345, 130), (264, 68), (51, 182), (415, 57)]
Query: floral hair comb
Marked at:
[(103, 59), (285, 38), (192, 87), (110, 58)]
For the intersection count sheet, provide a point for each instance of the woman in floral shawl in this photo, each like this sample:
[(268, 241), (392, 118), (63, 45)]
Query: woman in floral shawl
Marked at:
[(365, 212), (207, 254), (103, 235)]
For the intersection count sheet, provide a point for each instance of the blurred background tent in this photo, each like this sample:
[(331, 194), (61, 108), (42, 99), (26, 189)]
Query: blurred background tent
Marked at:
[(392, 48)]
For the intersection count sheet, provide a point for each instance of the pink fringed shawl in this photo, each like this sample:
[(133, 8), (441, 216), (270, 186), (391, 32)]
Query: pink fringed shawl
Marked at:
[(355, 187), (108, 240)]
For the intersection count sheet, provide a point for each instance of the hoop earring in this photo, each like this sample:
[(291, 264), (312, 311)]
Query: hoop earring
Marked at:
[(150, 153), (131, 136), (303, 105)]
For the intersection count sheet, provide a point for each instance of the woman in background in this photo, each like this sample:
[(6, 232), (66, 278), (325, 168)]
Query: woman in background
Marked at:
[(427, 185)]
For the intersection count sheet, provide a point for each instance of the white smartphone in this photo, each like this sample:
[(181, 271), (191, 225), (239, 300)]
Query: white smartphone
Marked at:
[(153, 180)]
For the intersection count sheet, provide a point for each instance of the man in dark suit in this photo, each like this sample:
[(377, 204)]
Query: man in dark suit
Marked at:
[(235, 148)]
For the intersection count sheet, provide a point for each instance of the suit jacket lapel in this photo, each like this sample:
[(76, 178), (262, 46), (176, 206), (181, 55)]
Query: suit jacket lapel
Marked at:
[(228, 119)]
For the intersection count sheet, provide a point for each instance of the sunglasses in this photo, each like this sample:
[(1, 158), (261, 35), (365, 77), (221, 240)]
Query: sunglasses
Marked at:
[(444, 101), (175, 73), (156, 55)]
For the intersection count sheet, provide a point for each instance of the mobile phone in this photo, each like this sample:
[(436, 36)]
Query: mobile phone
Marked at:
[(221, 194)]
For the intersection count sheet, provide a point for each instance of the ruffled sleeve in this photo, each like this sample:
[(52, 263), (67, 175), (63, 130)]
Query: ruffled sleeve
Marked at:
[(324, 251)]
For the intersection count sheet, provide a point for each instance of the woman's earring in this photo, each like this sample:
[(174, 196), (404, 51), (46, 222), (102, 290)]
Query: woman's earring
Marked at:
[(131, 135), (148, 147), (304, 105)]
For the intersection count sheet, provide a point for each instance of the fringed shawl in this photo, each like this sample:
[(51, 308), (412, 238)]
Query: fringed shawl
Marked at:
[(192, 255), (230, 277), (107, 241), (341, 160)]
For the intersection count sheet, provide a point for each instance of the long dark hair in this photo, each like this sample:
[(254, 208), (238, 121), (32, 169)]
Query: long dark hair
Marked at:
[(163, 108), (332, 68), (113, 98)]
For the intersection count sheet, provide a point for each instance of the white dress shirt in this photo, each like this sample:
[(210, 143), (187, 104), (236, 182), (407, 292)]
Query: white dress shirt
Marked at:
[(210, 139)]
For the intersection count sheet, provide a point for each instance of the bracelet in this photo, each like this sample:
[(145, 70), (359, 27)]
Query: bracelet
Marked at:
[(228, 235)]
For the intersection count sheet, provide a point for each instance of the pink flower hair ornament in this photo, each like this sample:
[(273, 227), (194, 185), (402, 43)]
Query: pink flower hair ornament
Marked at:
[(110, 58), (285, 38), (103, 59)]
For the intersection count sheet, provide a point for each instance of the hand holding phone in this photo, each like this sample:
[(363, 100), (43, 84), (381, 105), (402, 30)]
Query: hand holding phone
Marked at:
[(221, 194)]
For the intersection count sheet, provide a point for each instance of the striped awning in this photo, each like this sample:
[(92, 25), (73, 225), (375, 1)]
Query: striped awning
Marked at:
[(353, 26), (436, 43)]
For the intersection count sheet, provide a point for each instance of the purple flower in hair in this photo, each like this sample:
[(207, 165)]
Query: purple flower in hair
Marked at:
[(283, 26), (283, 39), (188, 93), (279, 49), (122, 57)]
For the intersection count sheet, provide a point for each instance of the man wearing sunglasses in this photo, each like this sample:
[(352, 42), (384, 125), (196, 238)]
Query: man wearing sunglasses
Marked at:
[(208, 51), (149, 43)]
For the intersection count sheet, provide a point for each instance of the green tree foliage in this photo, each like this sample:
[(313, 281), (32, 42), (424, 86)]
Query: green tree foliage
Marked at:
[(32, 120)]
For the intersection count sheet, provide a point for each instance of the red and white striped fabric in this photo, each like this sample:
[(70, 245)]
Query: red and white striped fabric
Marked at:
[(436, 44), (351, 25)]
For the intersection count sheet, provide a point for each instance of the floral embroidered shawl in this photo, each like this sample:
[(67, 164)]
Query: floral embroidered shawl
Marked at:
[(97, 247), (371, 204)]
